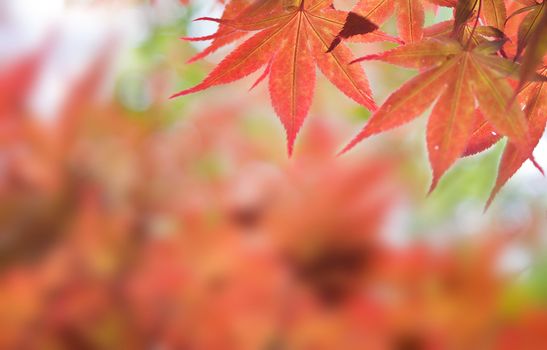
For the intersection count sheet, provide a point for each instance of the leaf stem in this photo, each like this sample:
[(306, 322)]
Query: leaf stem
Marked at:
[(474, 26)]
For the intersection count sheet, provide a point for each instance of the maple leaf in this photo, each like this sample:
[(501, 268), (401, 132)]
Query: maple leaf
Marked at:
[(534, 96), (531, 27), (291, 40), (483, 136), (227, 33), (469, 33), (535, 41), (410, 15), (463, 77), (492, 12), (353, 26)]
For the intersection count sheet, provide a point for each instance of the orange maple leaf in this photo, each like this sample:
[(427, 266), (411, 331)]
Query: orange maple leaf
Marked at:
[(291, 41)]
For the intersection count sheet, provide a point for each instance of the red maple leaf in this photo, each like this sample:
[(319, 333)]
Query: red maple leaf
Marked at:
[(534, 95), (293, 38), (410, 15), (463, 79)]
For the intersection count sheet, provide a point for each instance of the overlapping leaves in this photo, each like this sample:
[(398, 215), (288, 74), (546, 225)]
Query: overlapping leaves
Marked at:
[(462, 69), (461, 79), (479, 73)]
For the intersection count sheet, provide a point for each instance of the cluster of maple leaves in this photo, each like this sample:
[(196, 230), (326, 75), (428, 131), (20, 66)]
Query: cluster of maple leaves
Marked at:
[(484, 70), (109, 243)]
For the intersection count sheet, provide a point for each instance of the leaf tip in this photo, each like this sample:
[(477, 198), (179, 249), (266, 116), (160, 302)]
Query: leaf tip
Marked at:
[(493, 195), (488, 203), (365, 58), (537, 165), (290, 147), (180, 93), (210, 19), (362, 135), (433, 185), (337, 40)]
